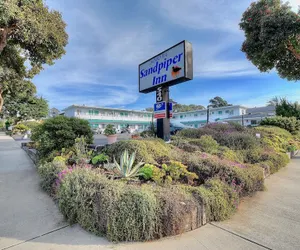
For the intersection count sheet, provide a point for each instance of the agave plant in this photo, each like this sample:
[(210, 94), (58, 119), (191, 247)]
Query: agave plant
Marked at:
[(126, 169)]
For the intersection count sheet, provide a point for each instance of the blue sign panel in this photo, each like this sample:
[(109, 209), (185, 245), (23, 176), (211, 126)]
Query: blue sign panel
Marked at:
[(160, 107), (170, 106)]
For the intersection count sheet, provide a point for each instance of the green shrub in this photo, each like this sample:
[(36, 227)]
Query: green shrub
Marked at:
[(31, 124), (150, 151), (172, 172), (20, 128), (176, 171), (107, 208), (229, 154), (277, 160), (252, 155), (100, 159), (49, 173), (292, 148), (206, 143), (110, 130), (149, 171), (135, 216), (220, 200), (190, 133), (248, 178), (275, 138), (238, 141), (290, 124), (213, 129), (60, 132)]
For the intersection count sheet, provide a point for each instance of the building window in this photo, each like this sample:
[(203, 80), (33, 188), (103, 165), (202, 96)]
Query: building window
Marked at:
[(231, 112), (174, 117), (227, 111), (212, 113), (195, 115), (220, 112), (181, 116), (96, 112)]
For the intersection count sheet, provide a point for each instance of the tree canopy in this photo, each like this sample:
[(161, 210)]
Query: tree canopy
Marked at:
[(218, 102), (272, 33), (21, 102), (286, 108), (29, 32)]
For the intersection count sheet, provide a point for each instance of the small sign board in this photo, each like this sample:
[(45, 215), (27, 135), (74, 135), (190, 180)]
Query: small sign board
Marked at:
[(160, 110), (159, 94), (173, 66)]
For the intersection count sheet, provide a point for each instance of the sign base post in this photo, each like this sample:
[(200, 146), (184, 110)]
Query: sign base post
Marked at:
[(163, 125)]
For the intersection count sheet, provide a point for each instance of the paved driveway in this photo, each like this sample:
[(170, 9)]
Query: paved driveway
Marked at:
[(29, 219)]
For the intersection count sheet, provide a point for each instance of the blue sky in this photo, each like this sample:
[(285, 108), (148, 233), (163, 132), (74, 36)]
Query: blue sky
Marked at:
[(109, 38)]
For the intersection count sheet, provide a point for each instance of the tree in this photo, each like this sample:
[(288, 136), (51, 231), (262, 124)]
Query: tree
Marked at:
[(21, 102), (287, 109), (272, 33), (29, 32), (150, 109), (273, 102), (218, 102)]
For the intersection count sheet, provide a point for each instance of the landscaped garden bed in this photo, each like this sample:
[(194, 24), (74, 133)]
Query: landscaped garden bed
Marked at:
[(145, 189)]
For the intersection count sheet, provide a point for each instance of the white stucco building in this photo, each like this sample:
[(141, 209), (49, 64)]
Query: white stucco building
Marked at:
[(99, 117), (198, 118)]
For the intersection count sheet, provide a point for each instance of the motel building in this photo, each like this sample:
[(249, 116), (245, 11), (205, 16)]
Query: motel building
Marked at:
[(99, 117), (238, 114), (198, 118)]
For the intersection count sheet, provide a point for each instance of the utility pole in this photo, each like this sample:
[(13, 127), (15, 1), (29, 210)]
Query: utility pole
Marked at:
[(243, 119), (207, 121)]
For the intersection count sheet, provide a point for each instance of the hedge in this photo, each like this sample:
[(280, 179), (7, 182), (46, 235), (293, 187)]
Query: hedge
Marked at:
[(124, 212)]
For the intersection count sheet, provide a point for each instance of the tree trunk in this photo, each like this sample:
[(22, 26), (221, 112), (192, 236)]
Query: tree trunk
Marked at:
[(3, 38), (5, 33)]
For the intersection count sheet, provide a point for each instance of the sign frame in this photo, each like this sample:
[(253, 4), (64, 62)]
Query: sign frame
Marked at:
[(188, 68)]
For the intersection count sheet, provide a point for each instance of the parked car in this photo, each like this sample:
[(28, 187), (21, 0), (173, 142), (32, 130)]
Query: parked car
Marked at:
[(98, 131), (176, 126)]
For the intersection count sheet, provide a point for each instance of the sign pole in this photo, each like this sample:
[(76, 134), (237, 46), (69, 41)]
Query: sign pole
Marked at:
[(163, 125)]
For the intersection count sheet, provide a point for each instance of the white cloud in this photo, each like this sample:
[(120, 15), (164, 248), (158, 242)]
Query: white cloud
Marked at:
[(99, 46), (218, 15)]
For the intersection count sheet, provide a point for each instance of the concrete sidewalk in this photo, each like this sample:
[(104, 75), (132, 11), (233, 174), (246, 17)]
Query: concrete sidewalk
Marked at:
[(30, 220)]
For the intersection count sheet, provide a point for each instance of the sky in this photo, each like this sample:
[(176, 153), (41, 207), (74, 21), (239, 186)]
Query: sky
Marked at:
[(108, 39)]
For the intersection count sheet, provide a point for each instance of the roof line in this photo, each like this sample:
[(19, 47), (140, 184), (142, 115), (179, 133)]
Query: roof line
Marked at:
[(106, 108), (225, 107)]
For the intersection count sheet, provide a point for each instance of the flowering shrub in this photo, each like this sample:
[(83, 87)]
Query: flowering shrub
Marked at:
[(250, 178)]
